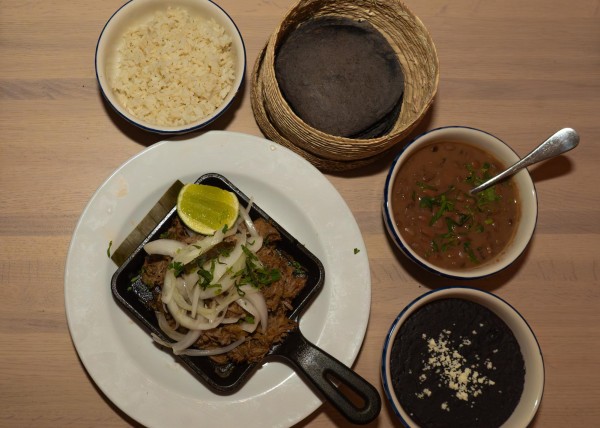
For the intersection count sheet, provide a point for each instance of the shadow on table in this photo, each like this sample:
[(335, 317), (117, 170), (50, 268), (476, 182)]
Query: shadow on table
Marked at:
[(130, 421)]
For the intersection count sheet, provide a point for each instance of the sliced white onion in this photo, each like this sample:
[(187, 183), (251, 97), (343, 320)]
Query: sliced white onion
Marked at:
[(249, 307), (258, 300), (226, 263), (254, 302), (195, 301), (183, 290), (188, 281), (166, 328), (209, 352), (180, 346), (234, 229), (165, 247), (195, 250), (255, 242), (190, 338), (222, 271), (168, 287), (249, 327), (181, 302), (160, 341), (182, 317)]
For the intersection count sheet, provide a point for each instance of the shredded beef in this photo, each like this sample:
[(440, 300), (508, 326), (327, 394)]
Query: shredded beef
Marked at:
[(268, 232), (258, 344), (282, 292), (179, 232), (153, 272), (278, 296)]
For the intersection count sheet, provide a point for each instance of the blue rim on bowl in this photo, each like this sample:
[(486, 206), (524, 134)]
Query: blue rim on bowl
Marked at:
[(503, 152), (117, 23), (530, 348)]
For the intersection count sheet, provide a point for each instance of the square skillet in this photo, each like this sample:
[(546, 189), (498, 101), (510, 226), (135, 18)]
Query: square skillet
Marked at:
[(359, 402), (133, 295)]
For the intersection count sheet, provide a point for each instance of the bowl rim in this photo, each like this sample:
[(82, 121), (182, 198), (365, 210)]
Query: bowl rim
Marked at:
[(464, 292), (469, 274), (181, 129)]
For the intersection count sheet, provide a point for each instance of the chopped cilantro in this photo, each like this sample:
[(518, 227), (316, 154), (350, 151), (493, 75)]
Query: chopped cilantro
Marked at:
[(470, 253), (298, 268), (254, 273), (205, 276), (425, 186), (177, 268)]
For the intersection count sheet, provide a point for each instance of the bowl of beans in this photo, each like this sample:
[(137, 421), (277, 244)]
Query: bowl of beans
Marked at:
[(436, 222), (458, 357)]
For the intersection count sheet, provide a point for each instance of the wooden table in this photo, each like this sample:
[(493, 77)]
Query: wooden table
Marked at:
[(520, 70)]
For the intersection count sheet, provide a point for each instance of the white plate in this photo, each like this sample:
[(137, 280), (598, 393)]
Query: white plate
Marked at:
[(149, 385)]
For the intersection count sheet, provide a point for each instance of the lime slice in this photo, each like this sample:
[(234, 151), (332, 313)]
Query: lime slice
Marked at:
[(206, 209)]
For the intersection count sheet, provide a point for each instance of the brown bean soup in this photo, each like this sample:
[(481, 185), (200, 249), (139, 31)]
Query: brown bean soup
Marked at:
[(440, 220)]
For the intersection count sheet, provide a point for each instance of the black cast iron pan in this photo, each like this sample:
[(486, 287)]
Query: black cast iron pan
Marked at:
[(352, 395)]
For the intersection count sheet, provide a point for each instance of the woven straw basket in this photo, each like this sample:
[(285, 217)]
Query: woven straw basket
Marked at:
[(417, 56)]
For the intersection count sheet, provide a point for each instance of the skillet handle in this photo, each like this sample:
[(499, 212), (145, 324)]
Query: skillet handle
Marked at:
[(321, 370)]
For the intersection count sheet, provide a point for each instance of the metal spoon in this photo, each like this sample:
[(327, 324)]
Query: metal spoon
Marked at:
[(561, 142)]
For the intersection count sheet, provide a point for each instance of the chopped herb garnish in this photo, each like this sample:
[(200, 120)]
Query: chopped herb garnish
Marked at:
[(356, 251), (425, 186), (176, 267), (427, 202), (445, 205), (470, 253), (205, 276), (254, 273), (298, 268), (108, 249)]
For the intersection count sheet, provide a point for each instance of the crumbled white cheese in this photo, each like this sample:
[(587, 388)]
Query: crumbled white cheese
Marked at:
[(466, 381), (425, 392)]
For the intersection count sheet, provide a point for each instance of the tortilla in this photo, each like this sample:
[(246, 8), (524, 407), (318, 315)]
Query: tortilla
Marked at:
[(341, 77)]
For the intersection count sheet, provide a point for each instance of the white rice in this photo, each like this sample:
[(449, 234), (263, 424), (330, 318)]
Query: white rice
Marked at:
[(174, 69)]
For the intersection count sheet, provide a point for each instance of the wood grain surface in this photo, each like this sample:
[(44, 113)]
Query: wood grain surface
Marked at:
[(518, 69)]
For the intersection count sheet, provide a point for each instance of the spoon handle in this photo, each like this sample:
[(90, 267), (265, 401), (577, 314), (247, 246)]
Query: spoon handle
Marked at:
[(562, 141)]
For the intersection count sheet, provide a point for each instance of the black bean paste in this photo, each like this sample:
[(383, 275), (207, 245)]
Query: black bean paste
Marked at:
[(454, 363)]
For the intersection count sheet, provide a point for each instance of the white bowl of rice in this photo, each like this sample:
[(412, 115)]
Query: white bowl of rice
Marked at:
[(170, 67)]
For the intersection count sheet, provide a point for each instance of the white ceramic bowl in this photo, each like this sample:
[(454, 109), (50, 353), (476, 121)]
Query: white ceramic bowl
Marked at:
[(532, 354), (502, 152), (135, 12)]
